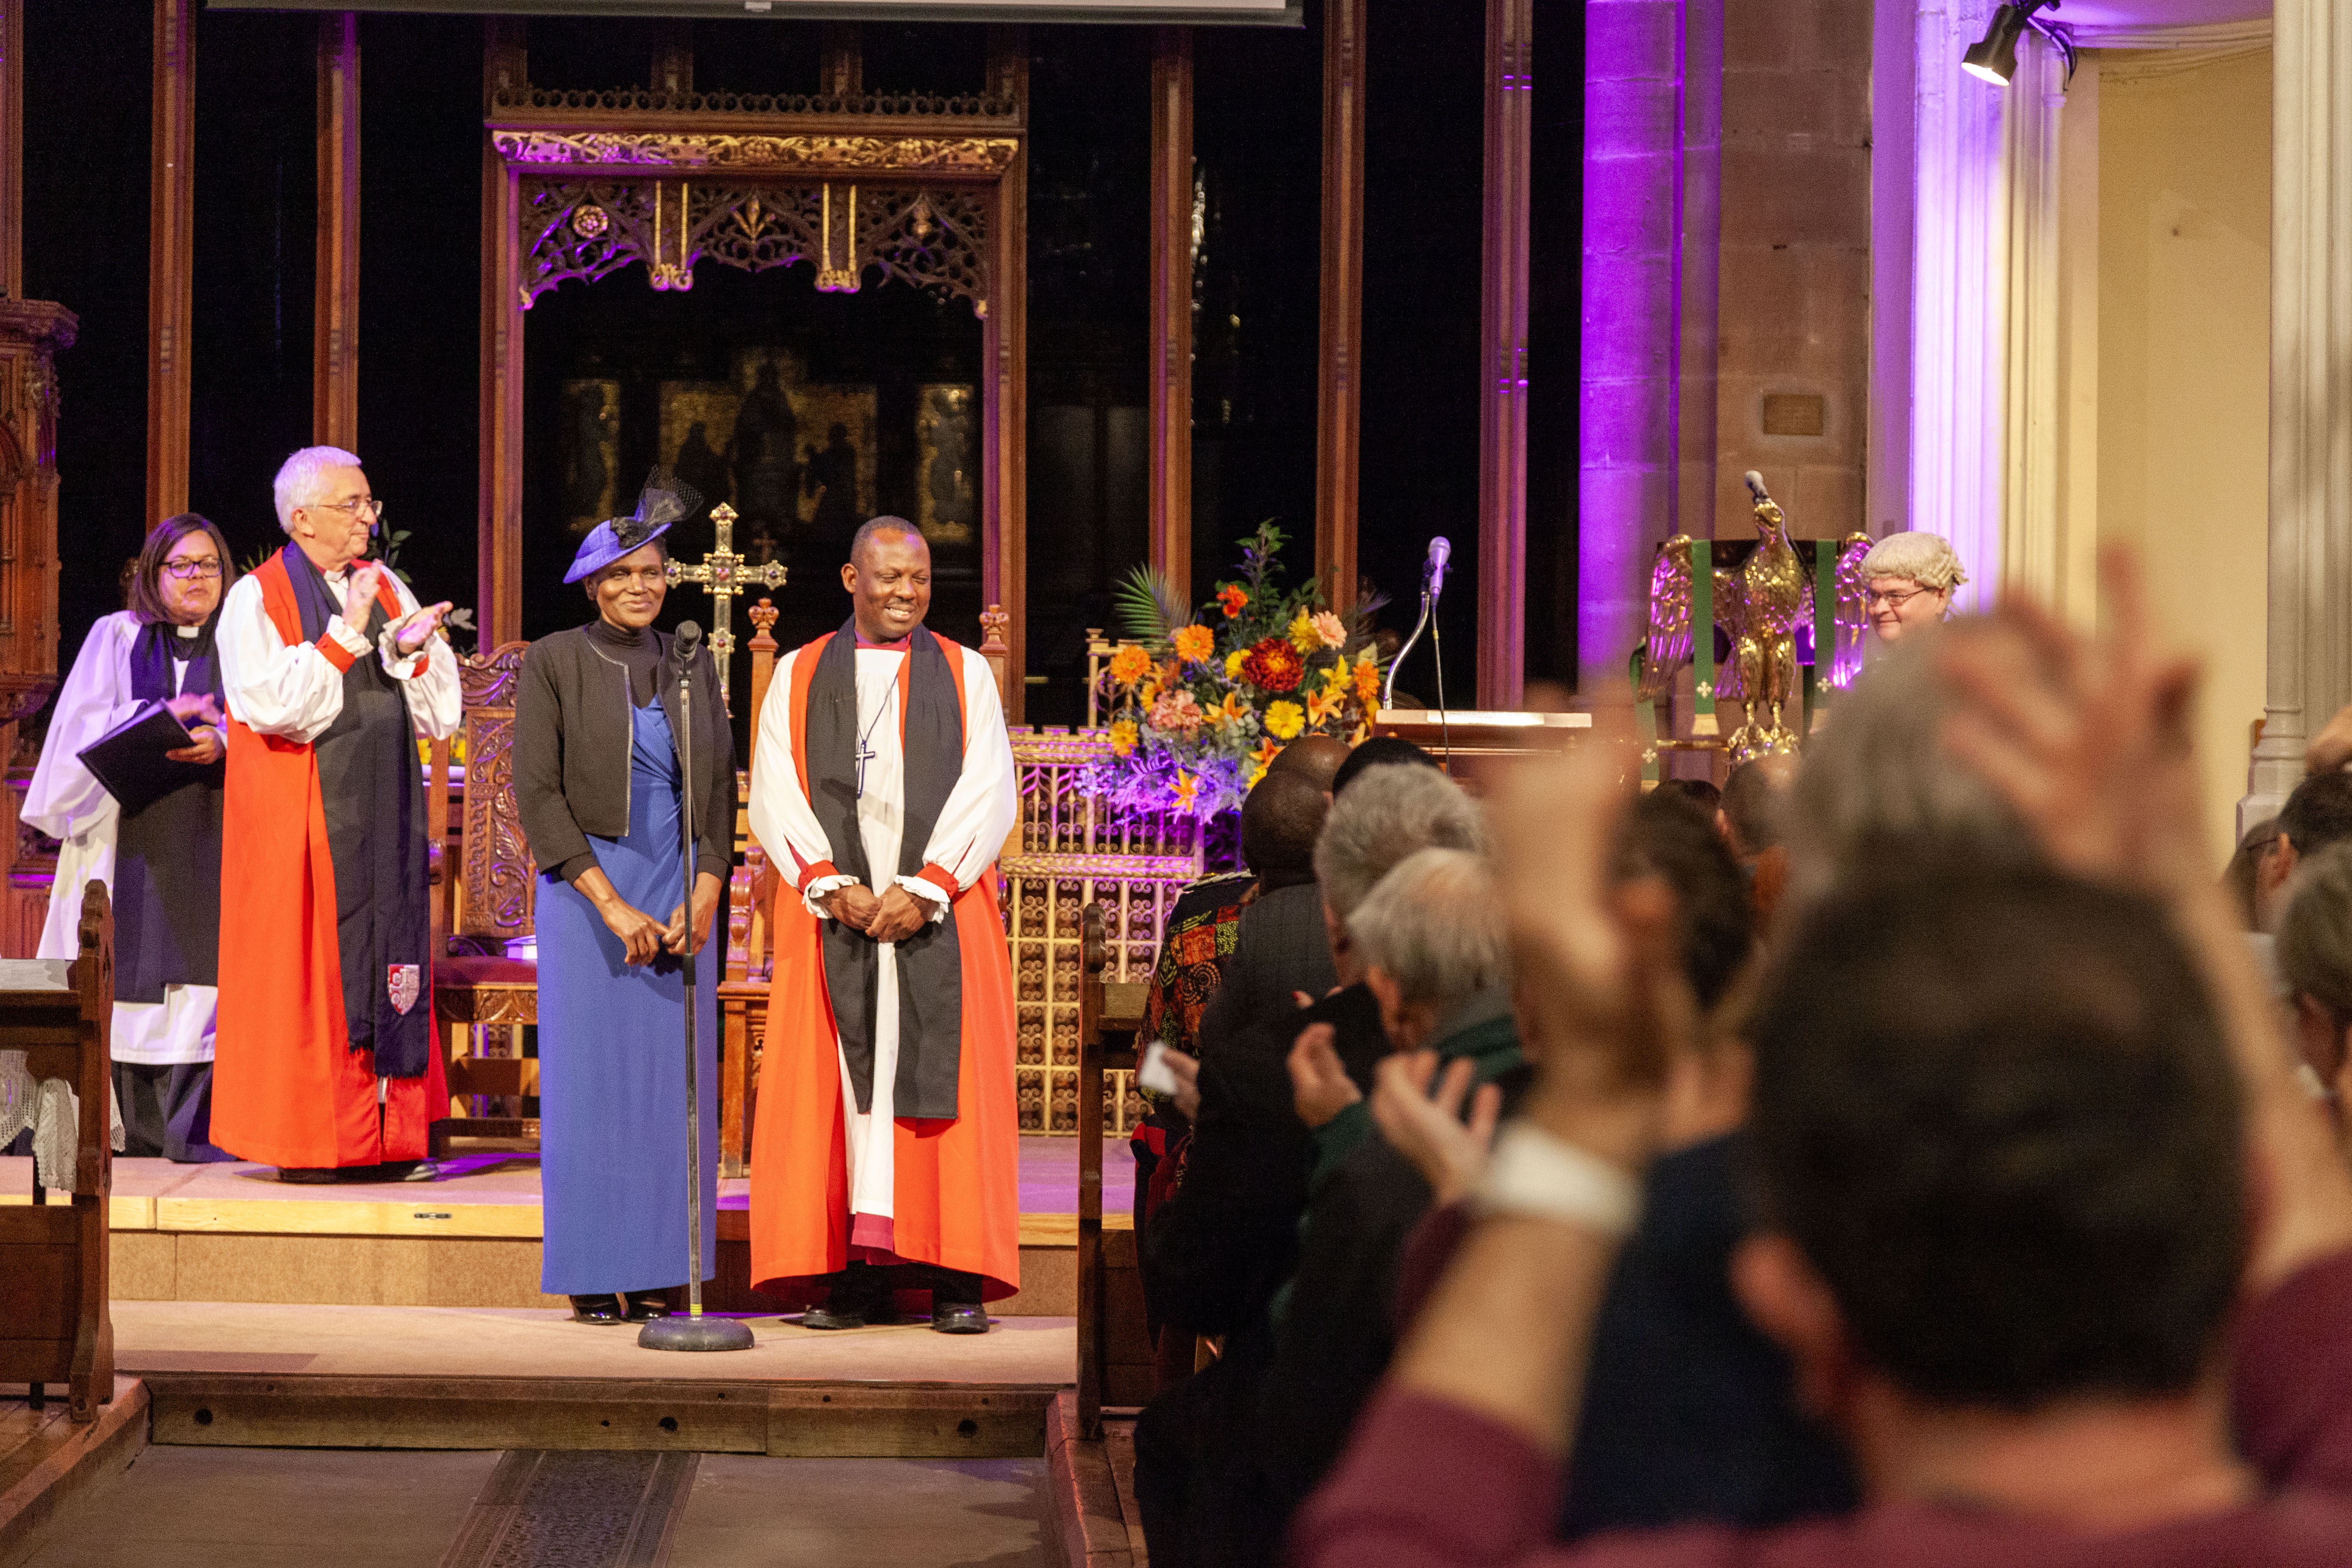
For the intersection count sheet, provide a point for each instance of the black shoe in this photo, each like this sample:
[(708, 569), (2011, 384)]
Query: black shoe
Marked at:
[(829, 1316), (646, 1305), (959, 1318), (599, 1309), (310, 1176)]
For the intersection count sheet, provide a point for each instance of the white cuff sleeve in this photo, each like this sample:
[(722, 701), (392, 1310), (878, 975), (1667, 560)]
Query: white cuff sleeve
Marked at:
[(924, 888), (350, 641), (819, 890)]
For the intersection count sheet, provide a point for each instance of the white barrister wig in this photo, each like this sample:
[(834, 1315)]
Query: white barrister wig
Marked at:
[(1926, 559)]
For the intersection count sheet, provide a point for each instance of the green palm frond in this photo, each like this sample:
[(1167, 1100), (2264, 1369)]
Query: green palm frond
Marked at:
[(1151, 607)]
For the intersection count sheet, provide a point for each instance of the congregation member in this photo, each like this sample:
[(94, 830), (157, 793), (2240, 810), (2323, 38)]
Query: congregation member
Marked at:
[(2009, 1237), (2317, 814), (602, 756), (886, 1149), (1224, 1243), (161, 861), (1280, 818), (1281, 944), (328, 1067), (1754, 798), (1908, 582), (2314, 963)]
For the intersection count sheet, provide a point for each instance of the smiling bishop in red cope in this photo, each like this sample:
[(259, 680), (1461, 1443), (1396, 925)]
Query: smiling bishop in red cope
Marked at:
[(887, 1154)]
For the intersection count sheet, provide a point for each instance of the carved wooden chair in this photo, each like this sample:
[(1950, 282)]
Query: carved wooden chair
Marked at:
[(481, 984)]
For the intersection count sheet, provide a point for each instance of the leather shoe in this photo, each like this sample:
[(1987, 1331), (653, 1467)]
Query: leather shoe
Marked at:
[(830, 1316), (648, 1305), (959, 1318), (309, 1176), (599, 1309)]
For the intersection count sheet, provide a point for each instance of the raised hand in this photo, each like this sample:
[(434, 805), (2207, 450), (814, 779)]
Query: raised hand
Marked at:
[(1429, 1130), (412, 630), (1319, 1085)]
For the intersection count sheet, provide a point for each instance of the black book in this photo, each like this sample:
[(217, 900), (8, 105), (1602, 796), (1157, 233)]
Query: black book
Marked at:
[(129, 759)]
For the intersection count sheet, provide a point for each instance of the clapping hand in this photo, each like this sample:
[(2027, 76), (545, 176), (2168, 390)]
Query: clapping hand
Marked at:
[(1321, 1086), (412, 630), (1429, 1130), (201, 717)]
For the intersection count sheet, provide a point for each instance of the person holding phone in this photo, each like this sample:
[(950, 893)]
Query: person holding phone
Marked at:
[(161, 863), (600, 740)]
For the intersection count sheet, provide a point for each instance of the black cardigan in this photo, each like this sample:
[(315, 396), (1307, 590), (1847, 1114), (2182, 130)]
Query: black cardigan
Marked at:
[(571, 753)]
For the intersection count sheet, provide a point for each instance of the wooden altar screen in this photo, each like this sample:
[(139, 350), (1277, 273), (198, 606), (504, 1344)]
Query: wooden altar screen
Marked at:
[(926, 191)]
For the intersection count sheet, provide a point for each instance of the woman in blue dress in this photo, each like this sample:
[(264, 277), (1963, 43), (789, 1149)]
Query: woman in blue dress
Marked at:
[(599, 786)]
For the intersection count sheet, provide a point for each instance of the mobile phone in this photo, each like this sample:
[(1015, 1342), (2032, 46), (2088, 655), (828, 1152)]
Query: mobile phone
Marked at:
[(1153, 1071)]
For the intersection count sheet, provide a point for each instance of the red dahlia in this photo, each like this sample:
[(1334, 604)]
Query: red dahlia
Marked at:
[(1273, 665)]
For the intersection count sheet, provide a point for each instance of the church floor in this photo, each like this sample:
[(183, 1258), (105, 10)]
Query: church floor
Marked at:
[(238, 1337), (276, 1507)]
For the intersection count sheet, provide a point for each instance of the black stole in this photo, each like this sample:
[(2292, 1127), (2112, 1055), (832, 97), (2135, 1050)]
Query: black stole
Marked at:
[(373, 791), (930, 962), (167, 854)]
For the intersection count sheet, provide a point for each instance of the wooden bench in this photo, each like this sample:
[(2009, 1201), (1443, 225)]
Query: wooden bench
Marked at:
[(1114, 1350), (54, 1321)]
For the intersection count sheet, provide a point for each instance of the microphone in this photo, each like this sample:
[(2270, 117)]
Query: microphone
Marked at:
[(1432, 572), (684, 646), (1756, 485)]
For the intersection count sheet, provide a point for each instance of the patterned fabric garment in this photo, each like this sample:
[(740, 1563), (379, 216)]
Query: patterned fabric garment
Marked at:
[(1201, 928)]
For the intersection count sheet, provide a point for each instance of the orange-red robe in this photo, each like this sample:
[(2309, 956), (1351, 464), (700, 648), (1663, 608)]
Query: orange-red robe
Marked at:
[(957, 1192), (287, 1089)]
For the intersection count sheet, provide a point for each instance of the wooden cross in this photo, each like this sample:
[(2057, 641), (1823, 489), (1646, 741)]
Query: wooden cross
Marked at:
[(723, 575)]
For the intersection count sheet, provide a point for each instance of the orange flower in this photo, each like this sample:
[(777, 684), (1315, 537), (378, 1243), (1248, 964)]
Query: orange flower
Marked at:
[(1330, 629), (1368, 683), (1234, 598), (1129, 664), (1188, 789), (1195, 644), (1123, 738), (1234, 710), (1323, 705), (1265, 753)]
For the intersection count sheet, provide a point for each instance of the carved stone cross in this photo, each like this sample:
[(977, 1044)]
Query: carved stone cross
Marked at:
[(722, 574)]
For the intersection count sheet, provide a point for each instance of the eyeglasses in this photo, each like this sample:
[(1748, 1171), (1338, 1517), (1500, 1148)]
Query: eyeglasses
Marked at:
[(190, 571), (1891, 600), (371, 505)]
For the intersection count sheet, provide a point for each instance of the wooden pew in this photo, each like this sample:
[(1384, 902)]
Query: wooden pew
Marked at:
[(54, 1321), (1110, 1015)]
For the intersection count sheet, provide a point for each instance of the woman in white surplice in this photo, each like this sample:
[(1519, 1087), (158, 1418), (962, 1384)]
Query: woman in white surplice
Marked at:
[(166, 891)]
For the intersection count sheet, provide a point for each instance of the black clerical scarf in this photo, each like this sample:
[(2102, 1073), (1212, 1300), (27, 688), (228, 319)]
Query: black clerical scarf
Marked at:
[(930, 962), (372, 791), (167, 854)]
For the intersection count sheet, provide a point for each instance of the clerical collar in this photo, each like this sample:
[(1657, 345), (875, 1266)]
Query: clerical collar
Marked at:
[(189, 631)]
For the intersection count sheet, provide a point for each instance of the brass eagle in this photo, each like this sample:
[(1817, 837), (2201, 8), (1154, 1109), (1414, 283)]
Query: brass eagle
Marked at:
[(1760, 608)]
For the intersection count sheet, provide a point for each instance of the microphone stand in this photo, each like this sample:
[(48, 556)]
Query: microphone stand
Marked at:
[(1433, 584), (694, 1331)]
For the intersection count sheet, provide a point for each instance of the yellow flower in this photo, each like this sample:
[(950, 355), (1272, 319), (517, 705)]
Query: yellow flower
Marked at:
[(1149, 694), (1188, 789), (1234, 663), (1323, 705), (1303, 635), (1123, 736), (1129, 664), (1257, 773), (1364, 732), (1336, 678), (1284, 720), (1195, 644)]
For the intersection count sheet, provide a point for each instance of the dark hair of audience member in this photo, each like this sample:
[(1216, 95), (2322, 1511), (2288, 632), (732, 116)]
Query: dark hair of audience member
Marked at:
[(1669, 836), (1280, 821), (1379, 751), (1995, 1111), (2318, 813), (1702, 790), (2315, 936), (1753, 801), (2243, 873)]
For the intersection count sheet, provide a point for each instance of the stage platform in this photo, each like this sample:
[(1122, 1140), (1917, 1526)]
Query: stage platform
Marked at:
[(233, 1232)]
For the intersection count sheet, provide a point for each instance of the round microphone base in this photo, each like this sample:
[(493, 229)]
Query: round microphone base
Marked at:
[(685, 1333)]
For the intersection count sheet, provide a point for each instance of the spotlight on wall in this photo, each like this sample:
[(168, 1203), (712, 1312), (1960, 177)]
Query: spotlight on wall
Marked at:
[(1993, 58)]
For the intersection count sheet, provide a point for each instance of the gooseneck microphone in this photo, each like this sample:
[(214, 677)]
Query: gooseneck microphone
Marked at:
[(1432, 571), (1433, 584)]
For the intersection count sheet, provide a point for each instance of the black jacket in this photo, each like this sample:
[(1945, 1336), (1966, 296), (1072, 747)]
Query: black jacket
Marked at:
[(573, 729), (1283, 947)]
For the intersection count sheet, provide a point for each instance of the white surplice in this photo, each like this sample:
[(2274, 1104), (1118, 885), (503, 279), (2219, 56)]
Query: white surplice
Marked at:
[(67, 803), (292, 689), (968, 836)]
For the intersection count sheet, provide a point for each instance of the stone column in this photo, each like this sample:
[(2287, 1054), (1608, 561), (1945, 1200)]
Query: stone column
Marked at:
[(2310, 674), (1631, 232)]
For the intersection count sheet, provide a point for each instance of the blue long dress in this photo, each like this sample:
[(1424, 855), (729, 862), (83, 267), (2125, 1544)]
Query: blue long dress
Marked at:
[(612, 1059)]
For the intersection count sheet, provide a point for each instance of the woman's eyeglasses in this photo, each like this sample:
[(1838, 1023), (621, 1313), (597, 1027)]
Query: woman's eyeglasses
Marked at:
[(190, 571)]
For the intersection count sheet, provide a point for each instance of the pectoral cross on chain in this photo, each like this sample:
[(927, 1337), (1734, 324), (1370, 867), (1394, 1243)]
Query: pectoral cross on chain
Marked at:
[(722, 574)]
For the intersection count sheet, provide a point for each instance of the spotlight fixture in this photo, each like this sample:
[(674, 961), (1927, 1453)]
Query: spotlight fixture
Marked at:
[(1993, 58)]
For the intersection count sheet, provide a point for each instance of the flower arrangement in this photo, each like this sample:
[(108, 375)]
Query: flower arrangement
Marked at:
[(1200, 705)]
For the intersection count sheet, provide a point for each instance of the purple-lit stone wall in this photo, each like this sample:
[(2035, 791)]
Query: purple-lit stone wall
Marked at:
[(1631, 155)]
